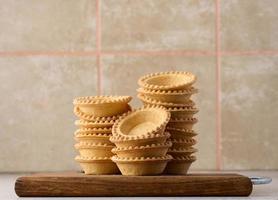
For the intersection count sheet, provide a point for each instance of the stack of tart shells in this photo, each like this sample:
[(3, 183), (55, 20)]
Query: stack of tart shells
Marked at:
[(173, 91), (142, 142), (97, 115)]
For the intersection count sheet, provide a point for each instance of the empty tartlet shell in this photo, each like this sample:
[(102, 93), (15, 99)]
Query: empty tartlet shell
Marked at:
[(152, 150), (95, 124), (177, 133), (183, 112), (94, 130), (181, 152), (123, 142), (97, 165), (183, 143), (170, 96), (182, 123), (103, 106), (157, 116), (92, 118), (93, 138), (140, 166), (148, 101), (88, 149), (172, 80), (179, 165)]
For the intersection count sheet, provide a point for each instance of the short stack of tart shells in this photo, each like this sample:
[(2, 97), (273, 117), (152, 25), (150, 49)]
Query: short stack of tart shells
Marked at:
[(97, 115), (142, 142), (173, 91)]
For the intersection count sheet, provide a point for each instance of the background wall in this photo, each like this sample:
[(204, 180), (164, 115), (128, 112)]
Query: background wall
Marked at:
[(52, 51)]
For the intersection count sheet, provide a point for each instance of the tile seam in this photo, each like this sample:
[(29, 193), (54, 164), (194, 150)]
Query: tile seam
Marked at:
[(218, 86), (138, 53)]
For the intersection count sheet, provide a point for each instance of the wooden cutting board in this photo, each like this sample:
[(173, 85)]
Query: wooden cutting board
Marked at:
[(78, 184)]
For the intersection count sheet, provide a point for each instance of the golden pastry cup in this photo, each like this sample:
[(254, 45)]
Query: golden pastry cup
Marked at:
[(87, 149), (81, 123), (170, 96), (179, 165), (142, 122), (167, 80), (180, 123), (183, 143), (183, 112), (124, 142), (153, 150), (94, 130), (92, 118), (177, 133), (103, 106), (97, 165), (93, 138), (141, 166), (149, 101), (181, 152)]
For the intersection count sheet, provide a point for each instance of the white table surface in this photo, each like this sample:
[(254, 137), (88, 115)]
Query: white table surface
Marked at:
[(269, 191)]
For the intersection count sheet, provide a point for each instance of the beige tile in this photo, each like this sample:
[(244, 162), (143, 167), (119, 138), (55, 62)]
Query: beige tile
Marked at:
[(60, 25), (249, 24), (250, 110), (121, 74), (158, 25), (37, 112)]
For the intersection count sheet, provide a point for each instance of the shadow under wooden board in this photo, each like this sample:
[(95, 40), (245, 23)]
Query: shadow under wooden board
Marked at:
[(77, 184)]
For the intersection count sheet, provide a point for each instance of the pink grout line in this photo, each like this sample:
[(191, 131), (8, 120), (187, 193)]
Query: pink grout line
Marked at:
[(218, 86), (47, 53), (160, 53), (98, 47), (138, 53), (250, 53)]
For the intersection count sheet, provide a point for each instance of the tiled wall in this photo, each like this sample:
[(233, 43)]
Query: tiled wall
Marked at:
[(52, 51)]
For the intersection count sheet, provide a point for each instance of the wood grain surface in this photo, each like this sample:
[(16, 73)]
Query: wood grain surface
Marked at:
[(78, 184)]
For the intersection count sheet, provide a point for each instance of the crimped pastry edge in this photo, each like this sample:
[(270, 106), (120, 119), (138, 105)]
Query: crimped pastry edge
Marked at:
[(183, 130), (101, 100), (150, 101), (181, 150), (192, 120), (142, 80), (188, 91), (88, 159), (120, 138), (189, 140), (81, 145), (190, 158), (84, 116), (82, 122), (140, 159), (155, 145)]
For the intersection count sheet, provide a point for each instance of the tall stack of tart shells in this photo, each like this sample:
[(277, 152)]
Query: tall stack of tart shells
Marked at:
[(97, 115), (173, 91), (141, 141)]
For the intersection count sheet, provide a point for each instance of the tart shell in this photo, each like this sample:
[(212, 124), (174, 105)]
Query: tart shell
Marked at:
[(187, 123), (97, 166), (103, 106), (142, 122), (87, 149), (141, 166), (123, 142), (179, 166), (171, 96), (149, 101), (172, 80), (154, 150)]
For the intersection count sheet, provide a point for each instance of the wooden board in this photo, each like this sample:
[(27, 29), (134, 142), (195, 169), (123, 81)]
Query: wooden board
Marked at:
[(78, 184)]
